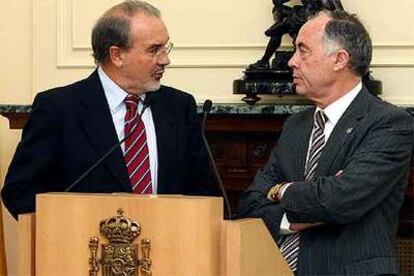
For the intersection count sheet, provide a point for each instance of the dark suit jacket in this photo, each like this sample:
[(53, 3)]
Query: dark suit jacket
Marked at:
[(372, 144), (71, 127)]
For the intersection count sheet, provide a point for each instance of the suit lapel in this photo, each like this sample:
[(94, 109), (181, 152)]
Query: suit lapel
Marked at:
[(99, 126), (165, 129), (342, 131)]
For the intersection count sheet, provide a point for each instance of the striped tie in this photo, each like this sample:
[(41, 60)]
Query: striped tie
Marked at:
[(290, 244), (136, 153)]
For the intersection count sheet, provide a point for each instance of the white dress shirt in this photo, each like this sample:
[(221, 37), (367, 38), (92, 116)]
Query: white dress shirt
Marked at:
[(333, 112), (115, 97)]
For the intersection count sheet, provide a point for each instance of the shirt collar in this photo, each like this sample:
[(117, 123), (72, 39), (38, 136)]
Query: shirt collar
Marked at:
[(114, 94), (335, 110)]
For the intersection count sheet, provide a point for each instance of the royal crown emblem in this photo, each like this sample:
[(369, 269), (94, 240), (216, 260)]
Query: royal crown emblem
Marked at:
[(120, 229), (120, 255)]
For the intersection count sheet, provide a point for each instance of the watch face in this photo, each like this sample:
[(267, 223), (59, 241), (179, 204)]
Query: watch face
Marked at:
[(272, 194)]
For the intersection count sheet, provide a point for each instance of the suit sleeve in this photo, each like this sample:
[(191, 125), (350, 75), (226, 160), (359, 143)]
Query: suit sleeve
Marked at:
[(254, 203), (377, 167), (33, 159)]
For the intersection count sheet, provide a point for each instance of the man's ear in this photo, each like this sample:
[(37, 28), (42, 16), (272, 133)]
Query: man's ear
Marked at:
[(341, 60), (116, 56)]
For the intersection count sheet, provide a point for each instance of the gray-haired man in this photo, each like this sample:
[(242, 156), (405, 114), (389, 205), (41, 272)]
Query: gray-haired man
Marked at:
[(331, 191), (71, 127)]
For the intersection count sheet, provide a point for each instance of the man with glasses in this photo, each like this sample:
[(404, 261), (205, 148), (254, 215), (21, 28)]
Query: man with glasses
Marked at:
[(72, 127)]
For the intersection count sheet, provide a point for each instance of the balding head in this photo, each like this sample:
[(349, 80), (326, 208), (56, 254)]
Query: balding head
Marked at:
[(345, 31), (329, 60), (113, 27)]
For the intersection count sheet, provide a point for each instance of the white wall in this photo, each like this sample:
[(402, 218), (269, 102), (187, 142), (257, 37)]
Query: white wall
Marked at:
[(45, 43)]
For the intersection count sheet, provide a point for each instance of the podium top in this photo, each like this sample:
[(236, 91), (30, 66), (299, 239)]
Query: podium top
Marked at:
[(127, 195)]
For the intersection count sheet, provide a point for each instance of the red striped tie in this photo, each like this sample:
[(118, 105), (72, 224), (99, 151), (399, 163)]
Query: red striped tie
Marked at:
[(136, 150)]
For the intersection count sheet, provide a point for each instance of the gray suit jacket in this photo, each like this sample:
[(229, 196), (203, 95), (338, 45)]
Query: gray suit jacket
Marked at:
[(372, 144)]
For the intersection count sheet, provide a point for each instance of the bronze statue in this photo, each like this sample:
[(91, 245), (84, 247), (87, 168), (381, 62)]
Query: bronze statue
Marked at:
[(288, 20), (276, 78)]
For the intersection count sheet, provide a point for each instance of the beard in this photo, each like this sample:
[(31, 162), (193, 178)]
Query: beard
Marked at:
[(153, 86)]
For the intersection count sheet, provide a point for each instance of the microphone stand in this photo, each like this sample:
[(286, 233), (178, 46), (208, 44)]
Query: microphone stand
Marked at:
[(206, 110)]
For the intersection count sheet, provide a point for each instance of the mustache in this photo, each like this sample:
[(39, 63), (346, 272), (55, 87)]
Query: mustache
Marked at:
[(159, 70)]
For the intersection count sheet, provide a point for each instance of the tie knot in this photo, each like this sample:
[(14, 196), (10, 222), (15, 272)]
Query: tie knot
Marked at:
[(320, 118), (131, 102)]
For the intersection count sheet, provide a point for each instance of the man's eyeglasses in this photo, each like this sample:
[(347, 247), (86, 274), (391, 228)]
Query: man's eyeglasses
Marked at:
[(158, 51)]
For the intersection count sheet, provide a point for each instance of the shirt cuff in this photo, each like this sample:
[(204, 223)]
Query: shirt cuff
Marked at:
[(285, 226), (283, 189)]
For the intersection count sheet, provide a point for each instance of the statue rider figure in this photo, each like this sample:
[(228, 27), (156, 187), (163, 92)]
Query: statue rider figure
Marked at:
[(288, 20)]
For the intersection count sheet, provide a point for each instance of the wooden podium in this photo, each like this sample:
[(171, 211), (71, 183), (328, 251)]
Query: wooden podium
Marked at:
[(188, 235)]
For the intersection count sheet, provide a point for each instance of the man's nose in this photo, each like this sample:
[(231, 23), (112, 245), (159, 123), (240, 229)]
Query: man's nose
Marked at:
[(164, 59), (292, 61)]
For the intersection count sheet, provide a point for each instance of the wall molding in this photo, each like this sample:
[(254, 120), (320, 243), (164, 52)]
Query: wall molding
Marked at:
[(400, 101), (79, 55)]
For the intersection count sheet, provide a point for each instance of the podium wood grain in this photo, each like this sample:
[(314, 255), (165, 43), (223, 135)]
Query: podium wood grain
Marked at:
[(183, 231), (188, 235), (250, 250), (26, 236), (3, 263)]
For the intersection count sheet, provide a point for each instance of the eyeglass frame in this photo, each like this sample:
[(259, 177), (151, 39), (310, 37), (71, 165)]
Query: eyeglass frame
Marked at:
[(162, 50)]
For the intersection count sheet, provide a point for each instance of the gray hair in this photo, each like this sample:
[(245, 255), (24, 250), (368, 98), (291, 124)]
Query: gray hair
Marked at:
[(113, 27), (345, 31)]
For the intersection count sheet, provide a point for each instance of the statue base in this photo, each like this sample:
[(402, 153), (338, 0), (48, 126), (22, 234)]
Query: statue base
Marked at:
[(279, 82), (269, 82)]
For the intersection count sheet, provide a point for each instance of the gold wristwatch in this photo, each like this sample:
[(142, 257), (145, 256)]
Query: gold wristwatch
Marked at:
[(273, 192)]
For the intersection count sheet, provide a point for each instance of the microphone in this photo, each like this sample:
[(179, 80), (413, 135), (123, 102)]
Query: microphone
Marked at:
[(147, 102), (206, 110)]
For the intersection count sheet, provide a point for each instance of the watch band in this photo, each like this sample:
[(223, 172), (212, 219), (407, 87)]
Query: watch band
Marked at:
[(273, 192)]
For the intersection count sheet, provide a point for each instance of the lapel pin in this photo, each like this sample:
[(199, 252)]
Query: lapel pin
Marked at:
[(349, 130)]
